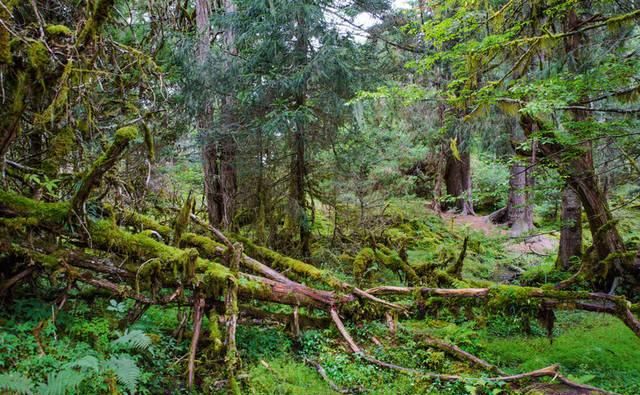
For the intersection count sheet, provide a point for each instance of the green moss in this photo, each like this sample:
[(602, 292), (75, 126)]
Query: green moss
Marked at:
[(38, 56), (126, 133), (6, 56), (168, 263), (206, 246), (215, 335), (50, 213), (142, 222), (60, 146), (58, 30), (285, 263), (148, 141), (361, 263)]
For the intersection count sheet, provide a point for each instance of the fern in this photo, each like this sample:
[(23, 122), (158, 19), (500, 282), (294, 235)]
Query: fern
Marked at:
[(125, 369), (61, 383), (86, 362), (132, 340), (15, 383)]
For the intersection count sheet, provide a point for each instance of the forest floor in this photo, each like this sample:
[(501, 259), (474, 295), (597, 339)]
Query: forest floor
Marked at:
[(539, 244), (593, 349)]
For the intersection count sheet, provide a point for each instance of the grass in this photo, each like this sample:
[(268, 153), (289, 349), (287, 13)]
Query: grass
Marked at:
[(592, 348), (284, 376)]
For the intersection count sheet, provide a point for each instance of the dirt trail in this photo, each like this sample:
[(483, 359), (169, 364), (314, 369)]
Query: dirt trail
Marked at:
[(538, 244)]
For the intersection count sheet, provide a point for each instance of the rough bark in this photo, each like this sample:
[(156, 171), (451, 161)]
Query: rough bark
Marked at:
[(571, 230), (298, 168), (457, 177), (198, 309), (519, 211), (609, 259)]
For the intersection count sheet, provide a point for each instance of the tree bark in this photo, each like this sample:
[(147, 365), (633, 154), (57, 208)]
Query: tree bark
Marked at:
[(219, 155), (571, 231), (609, 260), (457, 178), (298, 169)]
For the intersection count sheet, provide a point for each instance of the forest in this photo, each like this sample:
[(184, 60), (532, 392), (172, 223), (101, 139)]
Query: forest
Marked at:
[(320, 197)]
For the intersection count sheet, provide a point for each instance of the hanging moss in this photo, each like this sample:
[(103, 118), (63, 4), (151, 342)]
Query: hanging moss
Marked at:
[(148, 141), (58, 149), (58, 30), (99, 14), (38, 57), (51, 113), (6, 56)]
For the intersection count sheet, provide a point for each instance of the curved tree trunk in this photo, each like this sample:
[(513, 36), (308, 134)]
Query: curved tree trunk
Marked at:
[(608, 248)]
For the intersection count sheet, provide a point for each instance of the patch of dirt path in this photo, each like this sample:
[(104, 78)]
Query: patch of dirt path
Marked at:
[(538, 244)]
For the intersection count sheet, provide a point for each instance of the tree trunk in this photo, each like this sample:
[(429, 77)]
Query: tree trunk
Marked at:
[(519, 210), (571, 231), (218, 156), (297, 192), (212, 193), (228, 182), (457, 178), (298, 207), (609, 250)]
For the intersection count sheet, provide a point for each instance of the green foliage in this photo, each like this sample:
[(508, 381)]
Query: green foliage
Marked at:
[(285, 376), (585, 344), (15, 383)]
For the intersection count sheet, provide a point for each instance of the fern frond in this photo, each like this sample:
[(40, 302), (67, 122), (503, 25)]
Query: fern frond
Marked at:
[(86, 362), (15, 383), (132, 340), (125, 369), (61, 383)]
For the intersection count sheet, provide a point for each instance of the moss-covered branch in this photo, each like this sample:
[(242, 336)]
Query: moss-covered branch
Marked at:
[(105, 162)]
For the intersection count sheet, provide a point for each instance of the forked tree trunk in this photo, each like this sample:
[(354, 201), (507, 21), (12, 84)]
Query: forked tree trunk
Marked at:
[(609, 259), (571, 231), (457, 177)]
